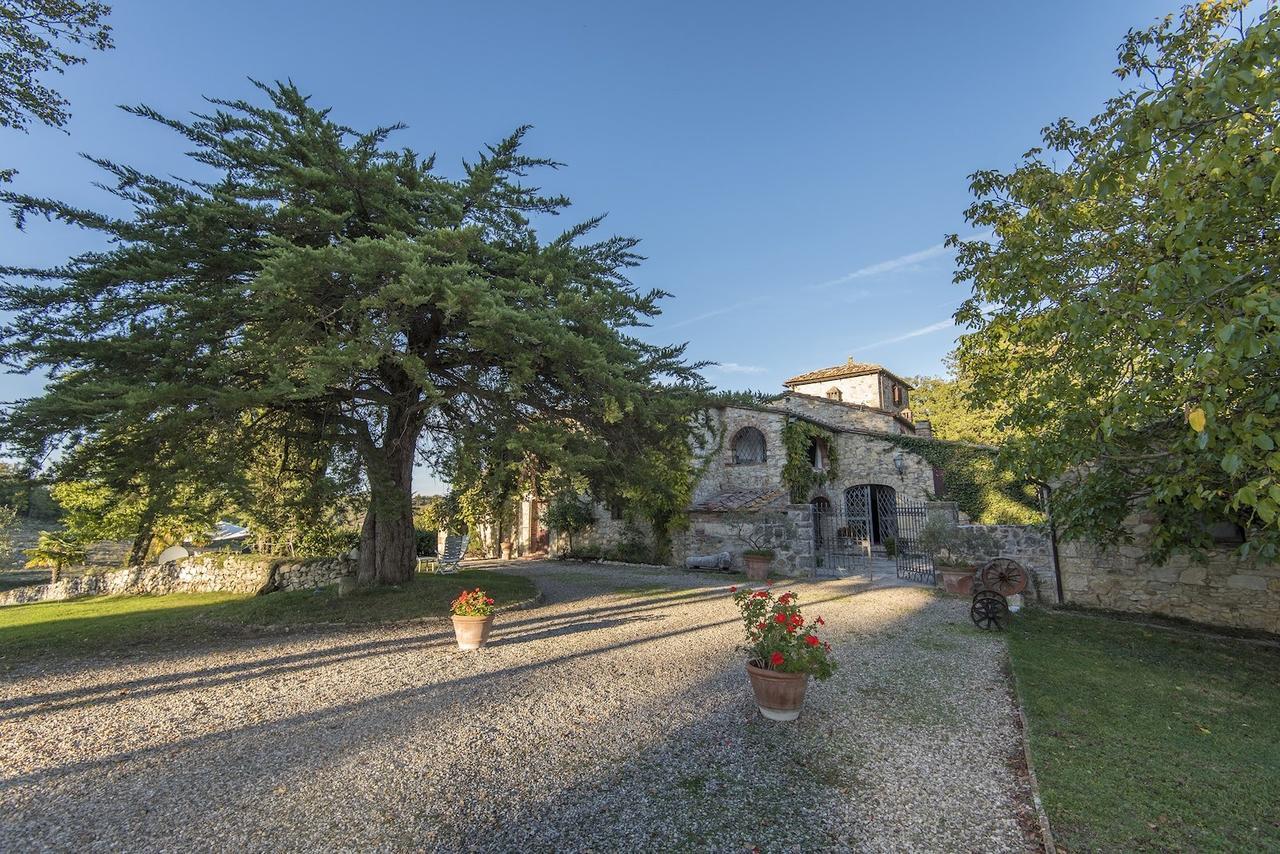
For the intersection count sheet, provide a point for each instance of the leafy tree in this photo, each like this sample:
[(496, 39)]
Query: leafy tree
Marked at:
[(54, 551), (8, 519), (325, 278), (952, 413), (38, 37), (570, 514), (1126, 316)]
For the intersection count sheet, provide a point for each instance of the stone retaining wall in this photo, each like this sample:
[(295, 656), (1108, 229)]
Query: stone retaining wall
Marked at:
[(204, 573), (1222, 591), (1029, 546), (788, 531)]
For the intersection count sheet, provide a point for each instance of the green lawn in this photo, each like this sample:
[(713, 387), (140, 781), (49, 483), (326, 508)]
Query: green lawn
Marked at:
[(1146, 739), (93, 624)]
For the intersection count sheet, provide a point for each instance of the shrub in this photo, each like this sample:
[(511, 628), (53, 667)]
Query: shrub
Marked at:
[(471, 603), (777, 637)]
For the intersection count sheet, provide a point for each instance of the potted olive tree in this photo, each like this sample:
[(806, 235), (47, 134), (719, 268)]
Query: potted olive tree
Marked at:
[(956, 554), (783, 651), (759, 537)]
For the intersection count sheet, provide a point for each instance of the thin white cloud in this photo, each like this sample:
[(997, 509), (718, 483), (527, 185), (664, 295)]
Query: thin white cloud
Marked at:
[(716, 312), (914, 333), (735, 368), (888, 266)]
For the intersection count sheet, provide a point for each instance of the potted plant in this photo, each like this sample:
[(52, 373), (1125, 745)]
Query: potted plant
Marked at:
[(955, 553), (472, 618), (757, 537), (890, 546), (782, 651), (758, 562)]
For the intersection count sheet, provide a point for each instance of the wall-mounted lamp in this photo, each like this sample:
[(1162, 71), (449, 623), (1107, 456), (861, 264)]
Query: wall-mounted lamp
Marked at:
[(900, 463)]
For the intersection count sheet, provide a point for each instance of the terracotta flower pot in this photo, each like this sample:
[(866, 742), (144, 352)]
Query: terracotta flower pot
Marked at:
[(472, 632), (757, 566), (779, 695), (957, 579)]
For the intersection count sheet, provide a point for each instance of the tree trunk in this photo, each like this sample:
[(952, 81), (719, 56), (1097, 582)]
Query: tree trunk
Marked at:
[(142, 542), (55, 572), (387, 543)]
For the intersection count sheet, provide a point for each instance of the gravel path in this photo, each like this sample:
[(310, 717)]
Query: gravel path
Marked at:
[(614, 716)]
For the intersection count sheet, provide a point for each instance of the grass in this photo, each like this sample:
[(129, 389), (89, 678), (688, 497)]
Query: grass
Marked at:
[(108, 623), (1146, 739)]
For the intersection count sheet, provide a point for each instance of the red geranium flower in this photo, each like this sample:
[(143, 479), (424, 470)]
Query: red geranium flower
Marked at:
[(784, 599), (760, 625), (820, 622), (776, 659), (811, 640), (781, 618), (488, 601), (798, 620), (733, 589)]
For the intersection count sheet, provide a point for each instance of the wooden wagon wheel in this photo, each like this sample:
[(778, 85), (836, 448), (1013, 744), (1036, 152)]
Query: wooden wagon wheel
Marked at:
[(1004, 576), (989, 610)]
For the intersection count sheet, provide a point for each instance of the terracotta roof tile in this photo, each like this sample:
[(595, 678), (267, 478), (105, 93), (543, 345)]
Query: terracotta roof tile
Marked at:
[(839, 372)]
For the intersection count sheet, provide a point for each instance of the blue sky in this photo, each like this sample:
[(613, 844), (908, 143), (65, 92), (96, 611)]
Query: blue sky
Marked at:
[(792, 169)]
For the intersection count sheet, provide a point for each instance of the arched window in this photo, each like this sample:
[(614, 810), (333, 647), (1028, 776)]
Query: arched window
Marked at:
[(748, 446), (835, 394)]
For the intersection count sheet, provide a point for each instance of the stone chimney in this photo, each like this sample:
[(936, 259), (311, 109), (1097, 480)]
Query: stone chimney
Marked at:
[(924, 429)]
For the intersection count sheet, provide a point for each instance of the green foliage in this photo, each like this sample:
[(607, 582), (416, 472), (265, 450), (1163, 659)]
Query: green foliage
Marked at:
[(38, 37), (54, 551), (317, 274), (8, 519), (27, 494), (798, 473), (1125, 315), (569, 514), (951, 413), (1194, 718), (988, 492), (779, 637)]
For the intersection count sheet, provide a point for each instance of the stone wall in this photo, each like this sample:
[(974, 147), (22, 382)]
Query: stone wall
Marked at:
[(206, 573), (1029, 546), (788, 531), (1222, 591), (851, 415)]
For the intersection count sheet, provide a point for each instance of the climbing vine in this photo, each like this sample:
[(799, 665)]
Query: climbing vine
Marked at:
[(799, 474), (972, 478)]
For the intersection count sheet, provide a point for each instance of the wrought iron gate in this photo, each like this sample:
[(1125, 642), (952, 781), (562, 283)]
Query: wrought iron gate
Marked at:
[(840, 540), (913, 563), (872, 527)]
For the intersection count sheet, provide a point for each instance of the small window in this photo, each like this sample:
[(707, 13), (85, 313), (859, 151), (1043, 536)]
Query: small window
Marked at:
[(835, 394), (898, 395), (748, 446), (818, 454)]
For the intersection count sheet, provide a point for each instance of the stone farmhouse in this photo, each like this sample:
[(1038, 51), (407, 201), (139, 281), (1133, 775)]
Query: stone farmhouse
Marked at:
[(741, 485)]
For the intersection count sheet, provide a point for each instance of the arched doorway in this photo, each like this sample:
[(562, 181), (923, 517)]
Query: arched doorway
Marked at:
[(872, 511)]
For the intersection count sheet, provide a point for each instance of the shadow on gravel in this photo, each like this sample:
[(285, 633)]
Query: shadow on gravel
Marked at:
[(392, 709), (506, 632)]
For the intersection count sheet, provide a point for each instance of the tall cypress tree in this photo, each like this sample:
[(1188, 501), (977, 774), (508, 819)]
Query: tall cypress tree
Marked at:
[(317, 274)]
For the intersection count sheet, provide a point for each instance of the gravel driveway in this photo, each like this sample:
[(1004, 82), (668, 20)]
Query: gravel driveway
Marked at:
[(616, 715)]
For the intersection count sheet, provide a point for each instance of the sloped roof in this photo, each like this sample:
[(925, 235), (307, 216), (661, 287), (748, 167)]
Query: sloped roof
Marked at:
[(839, 372), (742, 499)]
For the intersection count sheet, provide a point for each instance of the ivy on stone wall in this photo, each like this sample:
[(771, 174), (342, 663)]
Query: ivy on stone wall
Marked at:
[(988, 494), (798, 474)]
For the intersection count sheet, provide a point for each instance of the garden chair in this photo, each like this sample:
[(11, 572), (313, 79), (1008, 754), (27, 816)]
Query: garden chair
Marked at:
[(455, 546)]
